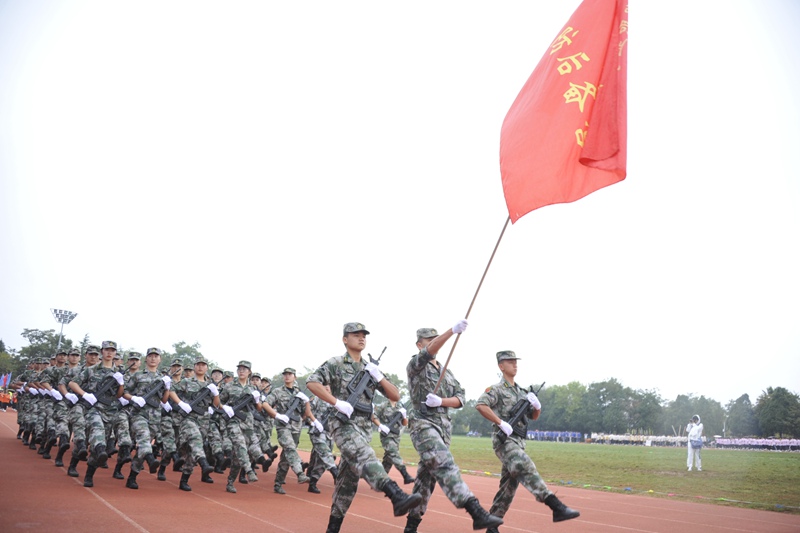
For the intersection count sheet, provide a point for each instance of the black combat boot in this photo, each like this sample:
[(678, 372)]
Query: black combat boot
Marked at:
[(492, 530), (401, 502), (124, 454), (206, 478), (88, 480), (312, 485), (278, 489), (334, 472), (560, 511), (72, 470), (166, 458), (131, 482), (34, 440), (219, 462), (99, 456), (231, 478), (184, 484), (37, 439), (334, 524), (111, 446), (271, 452), (26, 435), (19, 433), (177, 462), (51, 439), (63, 446), (407, 479), (80, 447), (242, 476), (152, 463), (207, 468), (118, 471), (161, 475), (481, 519), (412, 523), (387, 467)]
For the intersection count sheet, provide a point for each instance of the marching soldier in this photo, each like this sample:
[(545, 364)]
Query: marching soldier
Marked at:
[(77, 410), (390, 441), (321, 454), (170, 426), (496, 405), (429, 421), (232, 394)]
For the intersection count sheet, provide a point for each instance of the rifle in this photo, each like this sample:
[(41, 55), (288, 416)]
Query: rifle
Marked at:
[(359, 386), (322, 420), (102, 393), (518, 414), (294, 407), (396, 421), (242, 407), (151, 397), (195, 403)]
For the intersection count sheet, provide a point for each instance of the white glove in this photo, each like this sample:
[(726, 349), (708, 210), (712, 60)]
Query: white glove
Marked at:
[(302, 396), (89, 397), (33, 391), (119, 378), (185, 407), (123, 401), (534, 400), (318, 425), (460, 327), (383, 428), (214, 390), (167, 382), (506, 428), (256, 396), (44, 392), (57, 395), (374, 371), (283, 418), (403, 412), (138, 400), (166, 406), (431, 400), (228, 410), (210, 410), (71, 397), (344, 408)]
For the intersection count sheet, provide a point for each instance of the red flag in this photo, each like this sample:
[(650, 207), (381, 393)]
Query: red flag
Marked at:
[(565, 135)]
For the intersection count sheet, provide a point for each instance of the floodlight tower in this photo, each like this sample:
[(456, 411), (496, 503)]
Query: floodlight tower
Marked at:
[(64, 317)]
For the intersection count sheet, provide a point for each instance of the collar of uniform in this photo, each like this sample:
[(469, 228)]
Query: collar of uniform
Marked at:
[(348, 359), (508, 385)]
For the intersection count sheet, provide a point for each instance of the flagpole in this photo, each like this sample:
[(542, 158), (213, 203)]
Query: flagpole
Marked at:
[(455, 343)]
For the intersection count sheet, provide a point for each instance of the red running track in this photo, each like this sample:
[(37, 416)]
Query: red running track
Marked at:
[(37, 496)]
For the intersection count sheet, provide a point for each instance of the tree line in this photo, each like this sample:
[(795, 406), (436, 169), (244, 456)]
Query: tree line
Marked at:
[(602, 407)]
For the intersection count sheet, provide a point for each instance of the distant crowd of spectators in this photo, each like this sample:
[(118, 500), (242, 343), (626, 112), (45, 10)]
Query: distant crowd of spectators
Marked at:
[(557, 436), (782, 445)]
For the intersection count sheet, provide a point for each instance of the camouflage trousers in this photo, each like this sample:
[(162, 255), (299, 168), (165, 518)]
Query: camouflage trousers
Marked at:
[(517, 468), (98, 427), (264, 434), (76, 417), (254, 447), (391, 452), (241, 445), (358, 461), (121, 426), (144, 425), (60, 415), (321, 455), (436, 464), (288, 440), (193, 432), (170, 429), (222, 427), (45, 421), (215, 437)]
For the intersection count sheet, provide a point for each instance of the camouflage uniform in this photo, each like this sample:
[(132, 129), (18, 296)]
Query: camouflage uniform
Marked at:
[(353, 437), (321, 455), (244, 450), (430, 433), (288, 434), (145, 422), (98, 422), (391, 441), (194, 426)]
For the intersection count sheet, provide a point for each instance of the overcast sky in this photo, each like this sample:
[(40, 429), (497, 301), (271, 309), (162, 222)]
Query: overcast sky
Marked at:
[(252, 175)]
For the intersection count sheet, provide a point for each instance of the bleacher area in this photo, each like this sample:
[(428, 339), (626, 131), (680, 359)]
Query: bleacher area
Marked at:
[(555, 436)]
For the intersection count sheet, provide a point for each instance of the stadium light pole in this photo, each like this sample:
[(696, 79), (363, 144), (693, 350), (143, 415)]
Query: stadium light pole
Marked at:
[(64, 317)]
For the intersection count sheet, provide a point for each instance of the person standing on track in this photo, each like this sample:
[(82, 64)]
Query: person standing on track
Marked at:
[(694, 443), (496, 405)]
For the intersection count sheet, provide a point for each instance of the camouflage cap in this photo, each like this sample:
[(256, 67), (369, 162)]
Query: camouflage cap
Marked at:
[(60, 351), (93, 348), (216, 369), (74, 351), (245, 364), (427, 333), (54, 355), (200, 359), (176, 362), (134, 355), (109, 344), (289, 370), (154, 350), (256, 375), (354, 327), (117, 356), (506, 355), (228, 374)]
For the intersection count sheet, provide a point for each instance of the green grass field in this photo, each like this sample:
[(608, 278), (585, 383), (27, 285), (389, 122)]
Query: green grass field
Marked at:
[(763, 480)]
